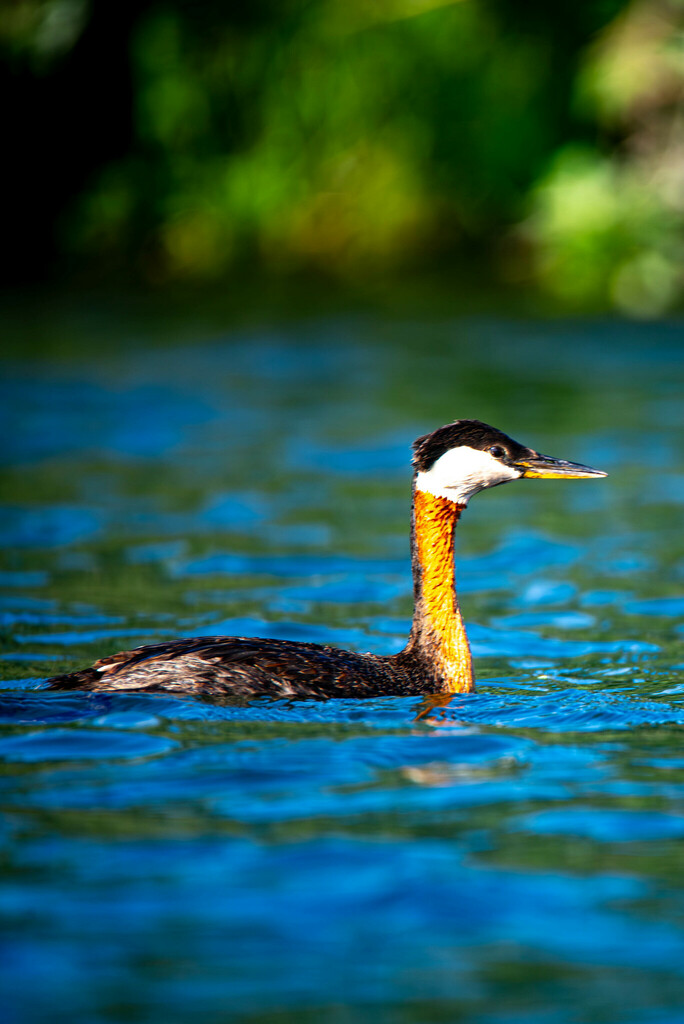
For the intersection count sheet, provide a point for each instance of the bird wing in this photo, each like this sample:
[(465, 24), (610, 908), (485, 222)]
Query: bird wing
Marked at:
[(236, 663)]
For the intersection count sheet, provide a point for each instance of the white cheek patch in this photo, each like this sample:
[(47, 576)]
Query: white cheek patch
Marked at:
[(462, 472)]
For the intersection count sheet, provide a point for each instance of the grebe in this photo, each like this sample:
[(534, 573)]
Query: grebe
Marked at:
[(450, 466)]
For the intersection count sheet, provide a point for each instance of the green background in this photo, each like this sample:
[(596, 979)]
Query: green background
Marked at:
[(528, 148)]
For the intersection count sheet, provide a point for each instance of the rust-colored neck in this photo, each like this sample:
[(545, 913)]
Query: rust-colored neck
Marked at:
[(438, 632)]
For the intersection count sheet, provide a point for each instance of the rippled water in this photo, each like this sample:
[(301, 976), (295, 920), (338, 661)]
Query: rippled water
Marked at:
[(516, 856)]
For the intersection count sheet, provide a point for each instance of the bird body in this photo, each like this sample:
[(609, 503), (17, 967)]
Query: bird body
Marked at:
[(451, 464)]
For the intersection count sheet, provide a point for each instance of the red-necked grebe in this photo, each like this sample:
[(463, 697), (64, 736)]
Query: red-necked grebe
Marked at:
[(450, 466)]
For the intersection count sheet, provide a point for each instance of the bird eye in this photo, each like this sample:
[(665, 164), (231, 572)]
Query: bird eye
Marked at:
[(497, 451)]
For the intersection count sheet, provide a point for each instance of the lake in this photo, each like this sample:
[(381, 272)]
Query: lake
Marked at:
[(516, 856)]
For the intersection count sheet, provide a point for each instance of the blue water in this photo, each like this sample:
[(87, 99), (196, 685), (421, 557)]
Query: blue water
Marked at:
[(514, 856)]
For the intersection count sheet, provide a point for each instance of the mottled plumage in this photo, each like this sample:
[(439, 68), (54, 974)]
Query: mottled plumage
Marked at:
[(246, 666)]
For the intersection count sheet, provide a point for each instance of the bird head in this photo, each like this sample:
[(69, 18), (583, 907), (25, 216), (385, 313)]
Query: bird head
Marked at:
[(467, 456)]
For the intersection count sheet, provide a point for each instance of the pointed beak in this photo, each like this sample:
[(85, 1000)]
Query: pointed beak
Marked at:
[(535, 465)]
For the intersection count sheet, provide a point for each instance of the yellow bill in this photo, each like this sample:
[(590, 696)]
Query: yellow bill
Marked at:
[(547, 468)]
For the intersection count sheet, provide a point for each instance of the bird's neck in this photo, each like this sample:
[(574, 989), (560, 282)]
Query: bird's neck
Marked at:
[(438, 632)]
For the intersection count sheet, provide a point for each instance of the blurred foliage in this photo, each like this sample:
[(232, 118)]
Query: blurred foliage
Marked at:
[(608, 220), (189, 141)]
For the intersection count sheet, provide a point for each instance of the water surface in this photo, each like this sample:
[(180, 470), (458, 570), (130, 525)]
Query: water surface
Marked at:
[(513, 857)]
